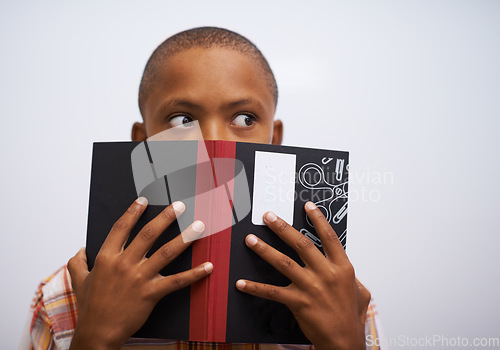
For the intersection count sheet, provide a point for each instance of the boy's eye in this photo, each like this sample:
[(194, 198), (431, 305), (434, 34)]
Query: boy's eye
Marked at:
[(180, 120), (243, 120)]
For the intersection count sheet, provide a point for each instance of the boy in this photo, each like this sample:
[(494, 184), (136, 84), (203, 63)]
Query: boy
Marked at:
[(220, 79)]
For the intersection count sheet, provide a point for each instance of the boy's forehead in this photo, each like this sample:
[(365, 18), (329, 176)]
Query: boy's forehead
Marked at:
[(203, 60), (218, 74)]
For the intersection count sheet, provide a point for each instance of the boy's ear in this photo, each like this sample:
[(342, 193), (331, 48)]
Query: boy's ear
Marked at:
[(277, 132), (139, 132)]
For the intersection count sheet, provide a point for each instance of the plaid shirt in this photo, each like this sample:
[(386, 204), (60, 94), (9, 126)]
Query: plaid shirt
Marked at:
[(54, 315)]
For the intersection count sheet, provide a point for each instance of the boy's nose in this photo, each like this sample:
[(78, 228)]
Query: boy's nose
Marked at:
[(213, 130)]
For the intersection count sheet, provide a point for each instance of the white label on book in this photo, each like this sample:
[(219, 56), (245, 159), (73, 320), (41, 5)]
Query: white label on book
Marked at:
[(273, 186)]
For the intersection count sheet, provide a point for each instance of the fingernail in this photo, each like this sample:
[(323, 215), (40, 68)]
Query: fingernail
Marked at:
[(251, 240), (141, 201), (198, 226), (179, 207), (310, 206), (209, 267), (271, 217), (240, 284)]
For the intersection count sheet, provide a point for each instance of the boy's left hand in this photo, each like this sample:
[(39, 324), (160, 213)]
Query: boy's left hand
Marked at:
[(325, 297)]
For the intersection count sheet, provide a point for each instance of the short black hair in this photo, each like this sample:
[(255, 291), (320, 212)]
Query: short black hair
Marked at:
[(204, 37)]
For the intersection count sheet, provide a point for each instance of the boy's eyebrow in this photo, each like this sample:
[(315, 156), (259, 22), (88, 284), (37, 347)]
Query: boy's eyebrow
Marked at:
[(180, 103), (242, 102), (165, 108)]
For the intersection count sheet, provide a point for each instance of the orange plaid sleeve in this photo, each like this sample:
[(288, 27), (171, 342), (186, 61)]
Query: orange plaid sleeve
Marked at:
[(54, 311), (41, 336), (372, 325)]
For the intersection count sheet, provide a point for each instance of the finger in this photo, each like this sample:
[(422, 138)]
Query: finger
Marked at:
[(78, 269), (365, 293), (331, 244), (300, 243), (152, 230), (174, 248), (278, 260), (267, 291), (365, 299), (121, 229), (169, 284)]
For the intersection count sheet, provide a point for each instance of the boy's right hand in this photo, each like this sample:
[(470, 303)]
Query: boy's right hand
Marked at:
[(117, 296)]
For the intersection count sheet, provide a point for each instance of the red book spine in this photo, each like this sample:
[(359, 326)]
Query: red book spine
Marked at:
[(208, 307)]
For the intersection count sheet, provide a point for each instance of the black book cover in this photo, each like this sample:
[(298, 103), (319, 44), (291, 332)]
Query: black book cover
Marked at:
[(228, 185)]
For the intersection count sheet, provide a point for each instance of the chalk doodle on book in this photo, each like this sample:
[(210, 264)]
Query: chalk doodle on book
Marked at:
[(326, 189)]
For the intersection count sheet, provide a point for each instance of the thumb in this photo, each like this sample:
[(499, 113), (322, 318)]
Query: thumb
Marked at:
[(78, 269)]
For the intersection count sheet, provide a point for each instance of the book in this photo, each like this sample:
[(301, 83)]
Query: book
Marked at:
[(229, 186)]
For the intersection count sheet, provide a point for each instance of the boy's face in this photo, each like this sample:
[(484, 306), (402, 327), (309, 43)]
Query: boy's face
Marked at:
[(224, 90)]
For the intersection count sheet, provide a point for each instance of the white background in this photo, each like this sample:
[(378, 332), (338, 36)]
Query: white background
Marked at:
[(410, 88)]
